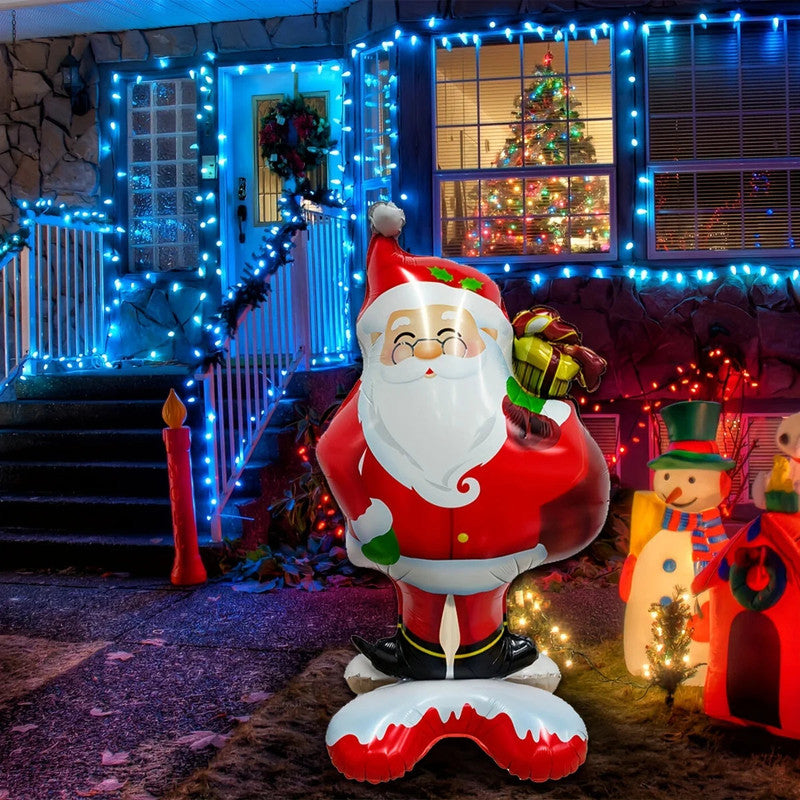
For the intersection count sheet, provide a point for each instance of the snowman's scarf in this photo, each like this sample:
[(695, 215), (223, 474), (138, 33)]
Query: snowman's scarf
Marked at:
[(708, 533)]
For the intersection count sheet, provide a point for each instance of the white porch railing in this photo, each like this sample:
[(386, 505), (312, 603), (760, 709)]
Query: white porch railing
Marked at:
[(14, 302), (52, 295), (302, 321), (67, 289), (326, 249)]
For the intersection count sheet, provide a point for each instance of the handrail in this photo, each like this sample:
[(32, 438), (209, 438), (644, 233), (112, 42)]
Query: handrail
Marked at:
[(328, 250), (67, 307), (244, 388), (303, 320)]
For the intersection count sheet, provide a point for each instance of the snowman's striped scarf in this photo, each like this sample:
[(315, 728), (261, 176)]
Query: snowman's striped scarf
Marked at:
[(708, 533)]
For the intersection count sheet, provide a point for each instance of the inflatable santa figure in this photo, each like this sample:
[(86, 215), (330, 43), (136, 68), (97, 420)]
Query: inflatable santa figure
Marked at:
[(454, 480), (676, 530)]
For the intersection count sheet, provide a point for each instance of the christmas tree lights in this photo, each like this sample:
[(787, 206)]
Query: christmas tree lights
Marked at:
[(543, 214), (529, 615)]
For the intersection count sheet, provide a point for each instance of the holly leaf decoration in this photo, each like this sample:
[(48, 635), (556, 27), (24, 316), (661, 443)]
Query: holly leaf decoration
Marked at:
[(441, 274), (471, 284)]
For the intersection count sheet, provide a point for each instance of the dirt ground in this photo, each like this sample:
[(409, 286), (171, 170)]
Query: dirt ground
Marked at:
[(638, 749)]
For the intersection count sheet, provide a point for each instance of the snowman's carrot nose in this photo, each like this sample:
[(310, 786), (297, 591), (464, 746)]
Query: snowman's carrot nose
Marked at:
[(674, 495)]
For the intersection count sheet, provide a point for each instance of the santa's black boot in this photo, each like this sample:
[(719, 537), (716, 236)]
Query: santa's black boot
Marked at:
[(385, 655)]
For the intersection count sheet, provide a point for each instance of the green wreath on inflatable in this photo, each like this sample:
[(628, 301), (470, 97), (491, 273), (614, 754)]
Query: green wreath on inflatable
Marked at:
[(764, 597), (293, 138)]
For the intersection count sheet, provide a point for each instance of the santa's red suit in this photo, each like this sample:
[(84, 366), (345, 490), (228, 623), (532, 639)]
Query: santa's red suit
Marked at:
[(535, 501), (553, 497)]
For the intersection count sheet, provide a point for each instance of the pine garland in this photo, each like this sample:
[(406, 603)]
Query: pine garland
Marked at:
[(275, 252)]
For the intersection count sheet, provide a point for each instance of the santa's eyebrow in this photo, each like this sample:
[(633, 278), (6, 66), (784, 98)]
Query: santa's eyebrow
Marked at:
[(400, 321)]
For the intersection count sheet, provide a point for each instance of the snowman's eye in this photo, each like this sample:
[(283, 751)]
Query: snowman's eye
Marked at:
[(784, 438), (692, 479), (666, 476)]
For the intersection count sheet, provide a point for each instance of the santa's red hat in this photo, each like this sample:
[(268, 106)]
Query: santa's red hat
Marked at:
[(397, 280)]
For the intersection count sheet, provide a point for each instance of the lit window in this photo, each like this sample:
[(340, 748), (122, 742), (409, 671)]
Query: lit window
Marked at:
[(376, 151), (162, 175), (724, 122), (524, 149)]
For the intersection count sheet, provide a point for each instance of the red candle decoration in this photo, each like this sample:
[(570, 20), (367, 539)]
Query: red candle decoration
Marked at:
[(188, 568)]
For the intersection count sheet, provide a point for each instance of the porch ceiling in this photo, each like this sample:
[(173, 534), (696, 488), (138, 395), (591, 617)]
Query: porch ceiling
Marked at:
[(43, 18)]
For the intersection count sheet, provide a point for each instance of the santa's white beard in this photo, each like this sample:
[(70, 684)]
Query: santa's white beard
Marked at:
[(428, 432)]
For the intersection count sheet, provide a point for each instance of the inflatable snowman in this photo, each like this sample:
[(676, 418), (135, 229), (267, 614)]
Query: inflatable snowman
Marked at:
[(676, 529)]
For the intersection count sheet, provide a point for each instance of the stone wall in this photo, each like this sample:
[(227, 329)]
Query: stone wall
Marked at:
[(45, 149)]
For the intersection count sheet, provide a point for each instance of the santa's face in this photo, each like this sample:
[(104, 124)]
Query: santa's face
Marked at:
[(692, 489), (429, 332), (431, 400)]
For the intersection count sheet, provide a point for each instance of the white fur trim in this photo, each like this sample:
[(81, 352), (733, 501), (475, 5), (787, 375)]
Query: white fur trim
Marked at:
[(375, 521), (418, 294), (387, 219), (464, 576)]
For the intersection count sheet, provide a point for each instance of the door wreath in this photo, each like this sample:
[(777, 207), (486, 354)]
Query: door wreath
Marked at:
[(293, 138)]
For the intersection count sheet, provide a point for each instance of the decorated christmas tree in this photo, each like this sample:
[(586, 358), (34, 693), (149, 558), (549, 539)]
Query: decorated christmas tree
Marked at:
[(551, 213), (668, 654)]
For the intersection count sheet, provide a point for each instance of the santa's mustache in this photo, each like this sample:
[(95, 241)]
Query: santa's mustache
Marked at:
[(411, 369)]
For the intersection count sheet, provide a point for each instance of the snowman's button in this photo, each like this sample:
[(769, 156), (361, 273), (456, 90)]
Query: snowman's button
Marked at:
[(669, 565)]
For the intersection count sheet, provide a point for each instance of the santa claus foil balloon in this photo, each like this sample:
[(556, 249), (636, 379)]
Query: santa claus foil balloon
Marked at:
[(454, 480)]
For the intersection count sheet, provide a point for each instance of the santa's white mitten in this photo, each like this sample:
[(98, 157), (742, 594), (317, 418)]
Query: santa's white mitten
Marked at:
[(387, 219), (374, 532)]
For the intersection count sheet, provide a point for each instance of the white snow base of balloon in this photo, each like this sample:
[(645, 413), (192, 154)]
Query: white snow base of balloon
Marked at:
[(382, 734)]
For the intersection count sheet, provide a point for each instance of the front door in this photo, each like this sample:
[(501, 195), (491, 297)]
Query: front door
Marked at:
[(250, 191)]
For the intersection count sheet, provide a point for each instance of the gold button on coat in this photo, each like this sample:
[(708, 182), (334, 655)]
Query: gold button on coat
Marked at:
[(463, 537)]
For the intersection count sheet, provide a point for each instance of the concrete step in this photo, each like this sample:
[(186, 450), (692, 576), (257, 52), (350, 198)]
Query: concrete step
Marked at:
[(81, 414), (105, 384), (80, 446), (144, 517), (37, 548)]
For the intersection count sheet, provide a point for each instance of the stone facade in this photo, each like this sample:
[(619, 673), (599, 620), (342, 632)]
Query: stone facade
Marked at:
[(46, 150)]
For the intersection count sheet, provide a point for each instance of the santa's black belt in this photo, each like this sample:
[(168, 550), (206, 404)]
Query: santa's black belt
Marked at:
[(434, 649)]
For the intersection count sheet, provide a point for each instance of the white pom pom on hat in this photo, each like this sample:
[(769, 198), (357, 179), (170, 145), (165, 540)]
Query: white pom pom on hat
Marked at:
[(386, 219)]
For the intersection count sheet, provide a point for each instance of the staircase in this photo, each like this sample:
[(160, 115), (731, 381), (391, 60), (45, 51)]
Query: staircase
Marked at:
[(83, 478)]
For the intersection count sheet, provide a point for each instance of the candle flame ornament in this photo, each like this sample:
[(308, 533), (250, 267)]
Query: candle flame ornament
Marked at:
[(188, 569)]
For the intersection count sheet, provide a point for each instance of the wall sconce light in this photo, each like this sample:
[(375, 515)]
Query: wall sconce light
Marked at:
[(74, 85)]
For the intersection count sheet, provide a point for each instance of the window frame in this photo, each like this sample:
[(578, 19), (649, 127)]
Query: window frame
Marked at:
[(113, 114), (385, 184), (607, 170), (697, 167)]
